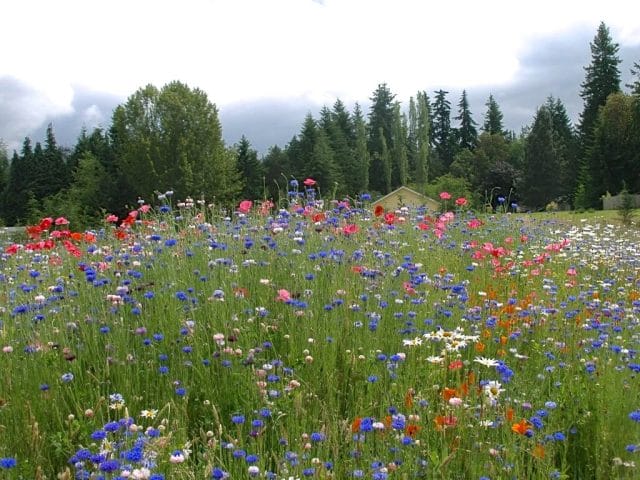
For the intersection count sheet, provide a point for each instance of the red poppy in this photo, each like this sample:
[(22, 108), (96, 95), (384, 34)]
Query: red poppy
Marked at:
[(378, 211), (389, 218), (245, 206)]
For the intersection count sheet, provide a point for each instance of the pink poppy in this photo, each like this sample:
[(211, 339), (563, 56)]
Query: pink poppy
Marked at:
[(350, 229), (461, 202), (309, 182), (111, 218), (445, 196), (245, 206), (283, 295)]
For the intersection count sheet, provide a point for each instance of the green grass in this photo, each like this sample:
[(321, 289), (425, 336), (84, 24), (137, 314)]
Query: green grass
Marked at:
[(368, 371)]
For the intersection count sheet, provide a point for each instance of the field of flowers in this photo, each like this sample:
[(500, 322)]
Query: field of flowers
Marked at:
[(320, 341)]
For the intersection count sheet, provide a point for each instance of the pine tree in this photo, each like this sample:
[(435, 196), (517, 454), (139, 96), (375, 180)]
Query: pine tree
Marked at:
[(443, 134), (467, 132), (565, 142), (612, 150), (423, 135), (17, 193), (337, 127), (635, 86), (493, 118), (541, 183), (380, 137), (251, 170), (601, 80), (360, 152), (277, 173)]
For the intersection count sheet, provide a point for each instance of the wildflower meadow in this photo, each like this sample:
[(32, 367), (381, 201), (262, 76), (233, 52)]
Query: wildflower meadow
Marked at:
[(320, 340)]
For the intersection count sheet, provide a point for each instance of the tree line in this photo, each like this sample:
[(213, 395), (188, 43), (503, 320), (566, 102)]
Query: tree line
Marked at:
[(171, 139)]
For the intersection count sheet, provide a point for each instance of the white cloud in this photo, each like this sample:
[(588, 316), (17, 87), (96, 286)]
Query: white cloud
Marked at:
[(243, 50)]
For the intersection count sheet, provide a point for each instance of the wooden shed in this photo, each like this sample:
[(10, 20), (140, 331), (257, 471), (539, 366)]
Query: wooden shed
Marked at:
[(406, 197)]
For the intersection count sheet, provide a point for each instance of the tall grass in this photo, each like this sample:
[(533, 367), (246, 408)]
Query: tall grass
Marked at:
[(186, 344)]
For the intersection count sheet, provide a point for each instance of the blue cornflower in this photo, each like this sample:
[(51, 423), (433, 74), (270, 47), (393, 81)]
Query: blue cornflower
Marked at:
[(109, 465), (559, 436), (398, 422), (8, 462), (98, 435), (635, 416), (66, 377), (239, 453), (308, 472), (136, 454), (112, 426), (218, 473), (237, 419), (317, 437)]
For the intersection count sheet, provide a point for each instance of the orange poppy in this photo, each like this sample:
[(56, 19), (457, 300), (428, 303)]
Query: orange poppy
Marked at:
[(521, 427), (355, 425)]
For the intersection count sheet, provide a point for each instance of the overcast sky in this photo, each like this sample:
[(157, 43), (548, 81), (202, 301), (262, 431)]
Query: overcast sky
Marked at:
[(267, 63)]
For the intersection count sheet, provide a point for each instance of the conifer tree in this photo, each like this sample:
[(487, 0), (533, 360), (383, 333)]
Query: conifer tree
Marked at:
[(493, 118), (251, 170), (423, 134), (360, 152), (443, 134), (541, 182), (601, 80), (380, 137), (467, 132)]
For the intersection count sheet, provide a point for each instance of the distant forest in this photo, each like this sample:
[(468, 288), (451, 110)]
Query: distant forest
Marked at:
[(170, 139)]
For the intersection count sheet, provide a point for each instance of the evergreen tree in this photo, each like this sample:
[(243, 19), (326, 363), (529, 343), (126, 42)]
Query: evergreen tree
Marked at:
[(423, 135), (4, 176), (277, 173), (380, 138), (412, 139), (601, 80), (493, 118), (337, 128), (360, 174), (251, 170), (54, 162), (467, 132), (89, 192), (384, 162), (316, 156), (399, 161), (541, 182), (613, 147), (17, 193), (635, 86), (443, 134), (565, 142)]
